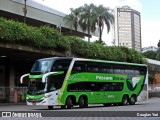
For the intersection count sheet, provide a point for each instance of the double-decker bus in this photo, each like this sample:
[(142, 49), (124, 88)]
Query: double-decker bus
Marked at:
[(66, 81)]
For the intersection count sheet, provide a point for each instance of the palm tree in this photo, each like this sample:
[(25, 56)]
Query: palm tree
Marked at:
[(84, 17), (74, 15), (89, 16), (104, 16)]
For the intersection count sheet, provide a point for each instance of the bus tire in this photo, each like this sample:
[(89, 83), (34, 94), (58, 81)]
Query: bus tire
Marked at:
[(63, 106), (132, 100), (69, 103), (124, 100), (107, 104), (83, 102), (50, 107)]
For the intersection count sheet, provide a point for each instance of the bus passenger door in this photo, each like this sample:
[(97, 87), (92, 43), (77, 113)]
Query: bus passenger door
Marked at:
[(99, 94), (99, 97), (113, 91), (95, 94)]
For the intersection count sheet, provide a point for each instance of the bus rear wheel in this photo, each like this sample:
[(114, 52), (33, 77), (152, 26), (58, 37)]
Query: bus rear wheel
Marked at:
[(132, 100), (50, 107), (69, 102), (124, 100), (83, 102)]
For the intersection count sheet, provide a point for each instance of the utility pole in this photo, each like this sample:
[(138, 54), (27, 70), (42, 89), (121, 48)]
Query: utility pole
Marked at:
[(25, 10), (59, 27), (158, 45)]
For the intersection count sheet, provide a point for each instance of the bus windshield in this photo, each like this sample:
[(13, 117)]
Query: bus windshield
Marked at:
[(36, 87), (41, 66)]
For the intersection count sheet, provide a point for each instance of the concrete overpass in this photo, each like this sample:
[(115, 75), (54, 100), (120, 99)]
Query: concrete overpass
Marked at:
[(16, 59), (38, 15)]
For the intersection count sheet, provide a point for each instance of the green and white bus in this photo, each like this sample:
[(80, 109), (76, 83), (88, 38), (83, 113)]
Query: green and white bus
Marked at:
[(66, 81)]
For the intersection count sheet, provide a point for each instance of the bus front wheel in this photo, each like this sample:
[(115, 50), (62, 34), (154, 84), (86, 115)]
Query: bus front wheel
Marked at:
[(50, 107), (132, 100), (69, 102), (63, 106), (124, 100)]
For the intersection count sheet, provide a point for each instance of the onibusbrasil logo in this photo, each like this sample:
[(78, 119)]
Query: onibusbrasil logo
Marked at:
[(21, 114)]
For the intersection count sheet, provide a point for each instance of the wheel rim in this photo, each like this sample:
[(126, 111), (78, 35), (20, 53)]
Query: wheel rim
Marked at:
[(125, 101), (70, 102), (82, 101), (132, 99)]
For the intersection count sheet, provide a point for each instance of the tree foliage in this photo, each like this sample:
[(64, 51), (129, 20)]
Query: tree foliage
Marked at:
[(155, 55), (151, 78), (84, 49), (43, 37), (49, 38)]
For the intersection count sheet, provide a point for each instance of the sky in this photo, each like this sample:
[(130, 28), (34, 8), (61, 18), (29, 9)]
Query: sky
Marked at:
[(149, 9)]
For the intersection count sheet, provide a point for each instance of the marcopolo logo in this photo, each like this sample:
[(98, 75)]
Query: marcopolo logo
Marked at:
[(21, 114), (132, 84), (135, 80)]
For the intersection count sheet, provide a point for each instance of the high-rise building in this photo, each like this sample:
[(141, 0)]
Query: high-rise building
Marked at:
[(127, 28)]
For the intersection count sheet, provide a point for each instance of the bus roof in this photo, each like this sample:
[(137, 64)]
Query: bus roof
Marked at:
[(56, 58), (94, 60), (105, 61)]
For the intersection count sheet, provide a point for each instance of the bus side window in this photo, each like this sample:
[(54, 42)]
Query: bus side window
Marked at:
[(118, 69), (78, 67), (136, 72), (128, 71), (104, 87), (140, 70), (61, 65), (94, 86), (92, 67), (103, 68), (114, 86)]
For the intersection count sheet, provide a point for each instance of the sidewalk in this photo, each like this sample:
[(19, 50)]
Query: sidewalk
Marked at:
[(6, 104)]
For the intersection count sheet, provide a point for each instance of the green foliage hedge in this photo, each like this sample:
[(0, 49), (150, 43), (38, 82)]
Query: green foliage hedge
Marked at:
[(43, 37), (47, 37), (97, 51)]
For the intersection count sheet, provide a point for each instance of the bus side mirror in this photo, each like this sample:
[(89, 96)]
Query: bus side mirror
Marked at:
[(21, 79), (46, 75)]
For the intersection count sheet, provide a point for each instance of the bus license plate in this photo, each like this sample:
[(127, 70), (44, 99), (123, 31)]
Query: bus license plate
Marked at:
[(33, 103)]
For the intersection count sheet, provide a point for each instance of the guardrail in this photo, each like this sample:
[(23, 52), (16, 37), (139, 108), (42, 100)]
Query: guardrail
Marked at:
[(154, 94)]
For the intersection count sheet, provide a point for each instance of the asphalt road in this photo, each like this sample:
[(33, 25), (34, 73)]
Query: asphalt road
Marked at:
[(146, 110)]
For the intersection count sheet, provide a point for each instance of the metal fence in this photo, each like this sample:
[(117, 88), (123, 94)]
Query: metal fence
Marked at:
[(13, 94), (154, 93)]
